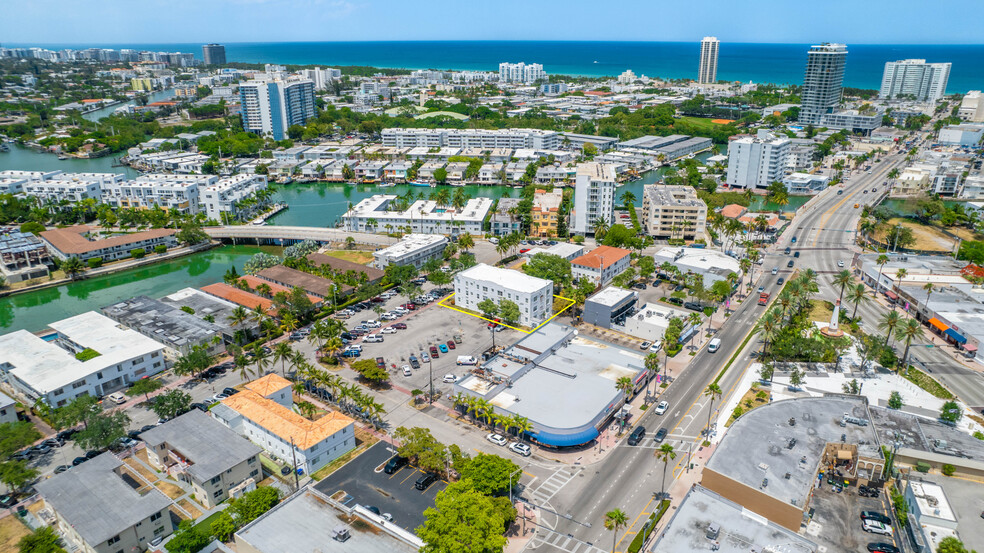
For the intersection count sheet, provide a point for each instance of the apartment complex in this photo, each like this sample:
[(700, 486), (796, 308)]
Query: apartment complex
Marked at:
[(263, 414), (423, 216), (673, 212), (822, 82), (269, 108), (58, 190), (757, 161), (534, 296), (214, 54), (923, 82), (601, 264), (412, 249), (546, 212), (223, 196), (196, 449), (535, 139), (707, 72), (169, 192), (594, 197), (77, 241), (521, 73), (54, 369)]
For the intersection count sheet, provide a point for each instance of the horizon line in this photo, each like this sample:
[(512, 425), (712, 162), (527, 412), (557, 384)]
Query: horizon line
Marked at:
[(225, 43)]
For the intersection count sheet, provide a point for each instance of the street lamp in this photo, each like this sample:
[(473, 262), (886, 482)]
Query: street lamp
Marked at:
[(430, 374), (510, 483)]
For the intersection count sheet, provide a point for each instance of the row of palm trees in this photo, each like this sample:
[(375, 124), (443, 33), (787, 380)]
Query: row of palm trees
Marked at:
[(483, 410)]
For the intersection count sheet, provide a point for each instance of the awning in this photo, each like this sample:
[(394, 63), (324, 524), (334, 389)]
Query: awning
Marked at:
[(938, 324), (956, 336), (970, 347), (891, 295), (565, 440)]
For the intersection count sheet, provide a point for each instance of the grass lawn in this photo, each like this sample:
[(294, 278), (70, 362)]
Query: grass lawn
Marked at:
[(701, 122), (206, 523), (355, 256), (750, 396), (965, 233), (926, 382), (169, 489), (11, 531), (927, 237)]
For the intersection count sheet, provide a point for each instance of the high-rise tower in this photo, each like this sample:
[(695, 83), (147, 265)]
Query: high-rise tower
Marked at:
[(822, 82), (707, 73), (214, 54)]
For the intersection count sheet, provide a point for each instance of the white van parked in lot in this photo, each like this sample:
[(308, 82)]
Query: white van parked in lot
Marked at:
[(467, 360), (714, 345)]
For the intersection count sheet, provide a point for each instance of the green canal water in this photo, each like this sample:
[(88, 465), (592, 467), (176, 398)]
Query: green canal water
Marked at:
[(34, 310)]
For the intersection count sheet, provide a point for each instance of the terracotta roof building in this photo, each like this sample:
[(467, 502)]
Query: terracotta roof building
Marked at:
[(313, 284), (340, 265), (74, 241), (237, 296), (262, 413), (601, 264), (733, 211), (275, 288)]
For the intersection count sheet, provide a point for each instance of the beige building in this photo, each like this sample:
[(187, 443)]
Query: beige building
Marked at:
[(972, 107), (196, 449), (97, 511), (913, 181), (673, 212)]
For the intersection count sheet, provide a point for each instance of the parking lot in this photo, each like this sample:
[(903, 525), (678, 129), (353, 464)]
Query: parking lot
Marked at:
[(365, 482), (429, 325), (836, 522)]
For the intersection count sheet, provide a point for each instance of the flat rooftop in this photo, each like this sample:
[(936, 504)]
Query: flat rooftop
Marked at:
[(409, 244), (203, 304), (673, 196), (612, 296), (737, 529), (304, 522), (926, 436), (756, 446), (507, 278), (209, 446), (163, 322)]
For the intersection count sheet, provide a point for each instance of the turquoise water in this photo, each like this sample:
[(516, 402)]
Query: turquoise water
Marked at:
[(20, 158), (107, 111), (769, 63)]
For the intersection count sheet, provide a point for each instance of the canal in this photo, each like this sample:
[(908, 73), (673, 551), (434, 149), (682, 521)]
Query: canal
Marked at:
[(107, 111)]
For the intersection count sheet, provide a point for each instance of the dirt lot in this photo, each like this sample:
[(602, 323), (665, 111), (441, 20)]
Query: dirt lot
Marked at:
[(11, 531), (927, 237)]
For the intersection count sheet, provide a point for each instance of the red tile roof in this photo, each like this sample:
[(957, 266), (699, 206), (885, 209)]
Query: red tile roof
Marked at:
[(601, 257), (70, 240), (241, 297), (733, 211)]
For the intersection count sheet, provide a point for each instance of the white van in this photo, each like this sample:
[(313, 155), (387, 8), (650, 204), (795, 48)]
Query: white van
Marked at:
[(714, 345), (467, 360)]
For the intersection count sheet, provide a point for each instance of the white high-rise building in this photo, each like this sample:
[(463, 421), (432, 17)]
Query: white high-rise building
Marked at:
[(271, 107), (926, 82), (757, 161), (521, 72), (823, 81), (321, 77), (707, 72), (594, 196)]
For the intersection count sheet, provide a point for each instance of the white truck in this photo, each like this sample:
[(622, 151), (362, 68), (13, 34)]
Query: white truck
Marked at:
[(467, 360)]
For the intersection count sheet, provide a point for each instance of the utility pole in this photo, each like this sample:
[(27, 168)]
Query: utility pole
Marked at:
[(293, 454), (430, 374)]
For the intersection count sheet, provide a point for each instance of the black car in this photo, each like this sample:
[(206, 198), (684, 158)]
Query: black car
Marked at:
[(24, 455), (66, 434), (876, 516), (796, 254), (78, 461), (786, 251), (425, 481), (790, 264), (133, 434), (780, 281), (7, 501), (637, 435), (395, 464), (92, 453), (660, 435), (882, 548), (679, 288), (230, 391), (693, 306), (675, 301), (200, 406), (147, 427), (62, 468), (414, 362), (284, 471), (54, 442), (639, 286)]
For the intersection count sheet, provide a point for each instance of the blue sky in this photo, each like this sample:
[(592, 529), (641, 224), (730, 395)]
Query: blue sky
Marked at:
[(789, 21)]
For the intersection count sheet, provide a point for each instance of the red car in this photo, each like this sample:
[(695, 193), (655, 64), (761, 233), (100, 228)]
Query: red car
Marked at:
[(410, 306), (434, 352), (377, 299), (451, 344), (524, 250), (400, 326)]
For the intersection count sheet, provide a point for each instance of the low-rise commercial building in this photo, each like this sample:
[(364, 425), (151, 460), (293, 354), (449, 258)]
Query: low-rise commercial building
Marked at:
[(98, 511), (651, 320), (207, 305), (673, 212), (198, 450), (564, 250), (423, 216), (262, 413), (412, 249), (852, 121), (75, 241), (964, 134), (546, 212), (609, 306), (312, 284), (533, 296), (971, 108), (712, 265), (88, 354), (601, 264)]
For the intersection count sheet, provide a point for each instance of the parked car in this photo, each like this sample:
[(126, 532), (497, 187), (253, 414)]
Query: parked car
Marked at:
[(645, 345), (876, 527), (399, 326), (373, 339), (425, 358), (230, 391), (433, 352), (780, 281), (639, 286), (521, 449), (881, 547), (395, 464), (449, 379), (775, 270), (693, 306), (406, 370), (414, 362), (443, 348), (450, 344), (497, 439), (380, 362), (388, 330), (117, 398), (875, 516), (425, 481)]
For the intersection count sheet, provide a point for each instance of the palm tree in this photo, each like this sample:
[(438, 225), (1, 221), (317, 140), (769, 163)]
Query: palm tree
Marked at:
[(600, 228), (288, 322), (282, 352), (890, 322), (900, 274), (73, 267), (769, 327), (842, 279), (928, 287), (627, 198), (665, 453), (881, 261), (522, 425), (911, 329), (712, 391), (857, 295), (333, 346), (624, 385), (614, 520), (261, 359), (237, 317), (241, 363)]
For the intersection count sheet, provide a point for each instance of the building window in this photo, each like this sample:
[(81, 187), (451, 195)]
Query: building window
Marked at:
[(155, 516), (217, 494), (113, 540), (216, 480)]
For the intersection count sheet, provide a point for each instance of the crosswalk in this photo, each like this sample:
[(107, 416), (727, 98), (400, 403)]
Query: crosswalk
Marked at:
[(566, 542), (549, 488)]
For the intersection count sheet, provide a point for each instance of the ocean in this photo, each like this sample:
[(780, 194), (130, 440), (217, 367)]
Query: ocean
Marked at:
[(760, 63)]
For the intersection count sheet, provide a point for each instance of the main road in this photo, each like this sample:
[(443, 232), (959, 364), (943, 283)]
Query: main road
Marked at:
[(629, 476)]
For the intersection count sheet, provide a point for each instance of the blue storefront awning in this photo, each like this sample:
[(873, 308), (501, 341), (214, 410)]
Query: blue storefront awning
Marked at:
[(956, 336), (553, 439)]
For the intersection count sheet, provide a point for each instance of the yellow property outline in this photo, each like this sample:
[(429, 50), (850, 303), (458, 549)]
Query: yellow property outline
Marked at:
[(453, 308)]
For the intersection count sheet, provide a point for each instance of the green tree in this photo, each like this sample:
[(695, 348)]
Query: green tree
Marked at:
[(417, 444), (509, 311), (712, 392), (42, 540), (222, 526), (489, 474), (951, 412), (16, 474), (665, 453), (614, 520), (73, 267), (895, 400), (15, 436), (549, 267), (441, 175), (370, 372), (253, 504), (171, 404), (102, 430), (618, 236), (188, 539), (951, 544), (191, 233), (79, 410), (464, 519), (144, 386), (488, 307)]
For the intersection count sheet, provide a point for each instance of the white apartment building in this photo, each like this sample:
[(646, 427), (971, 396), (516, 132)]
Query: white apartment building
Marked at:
[(594, 196), (321, 78), (757, 161), (627, 77), (964, 134), (169, 192), (422, 217), (707, 72), (521, 73), (914, 180), (47, 368), (601, 264), (673, 212), (263, 414), (471, 138), (11, 186), (822, 83), (973, 187), (57, 190), (271, 107), (925, 82), (35, 176), (534, 296), (223, 195), (412, 249), (971, 108)]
